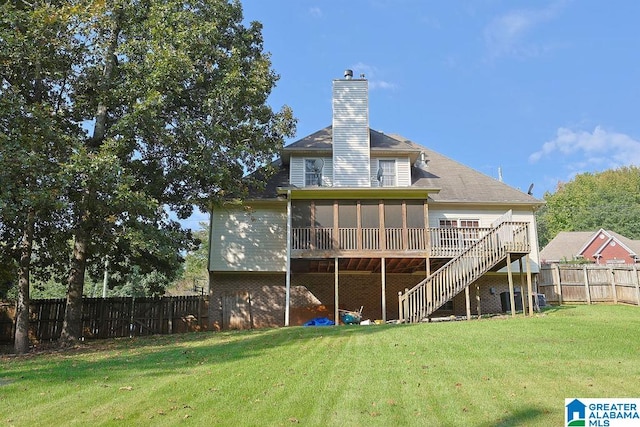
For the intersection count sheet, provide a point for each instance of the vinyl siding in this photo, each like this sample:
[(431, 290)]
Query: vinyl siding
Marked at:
[(297, 172), (249, 240), (351, 134)]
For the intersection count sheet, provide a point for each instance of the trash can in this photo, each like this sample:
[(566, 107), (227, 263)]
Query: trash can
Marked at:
[(506, 302)]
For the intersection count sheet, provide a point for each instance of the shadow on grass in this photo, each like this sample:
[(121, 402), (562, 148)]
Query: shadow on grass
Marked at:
[(523, 417), (164, 354), (558, 309)]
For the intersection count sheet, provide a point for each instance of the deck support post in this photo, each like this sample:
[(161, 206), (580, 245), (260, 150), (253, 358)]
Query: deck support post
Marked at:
[(522, 292), (468, 302), (336, 312), (478, 308), (383, 273), (529, 286), (512, 299)]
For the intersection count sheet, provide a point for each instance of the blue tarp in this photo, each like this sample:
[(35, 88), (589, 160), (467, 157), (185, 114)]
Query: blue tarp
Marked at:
[(320, 321)]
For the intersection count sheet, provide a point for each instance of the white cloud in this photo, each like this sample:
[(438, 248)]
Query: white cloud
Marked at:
[(316, 12), (597, 149), (371, 73), (506, 35)]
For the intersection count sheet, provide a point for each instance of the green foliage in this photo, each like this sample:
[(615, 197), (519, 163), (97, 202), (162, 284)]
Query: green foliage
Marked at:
[(609, 200), (196, 261), (177, 96)]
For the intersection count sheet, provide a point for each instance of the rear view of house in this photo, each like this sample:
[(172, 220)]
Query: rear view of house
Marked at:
[(359, 218)]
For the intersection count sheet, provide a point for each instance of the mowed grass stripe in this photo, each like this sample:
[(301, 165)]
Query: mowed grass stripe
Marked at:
[(482, 373)]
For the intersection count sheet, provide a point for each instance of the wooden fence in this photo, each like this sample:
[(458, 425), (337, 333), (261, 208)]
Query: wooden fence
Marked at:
[(112, 317), (590, 283)]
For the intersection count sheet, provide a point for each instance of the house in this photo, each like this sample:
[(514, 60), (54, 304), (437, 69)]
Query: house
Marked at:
[(359, 218), (576, 411), (599, 247)]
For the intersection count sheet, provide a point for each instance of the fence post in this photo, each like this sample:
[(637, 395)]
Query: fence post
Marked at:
[(171, 311), (637, 283), (558, 284), (613, 285), (131, 317), (586, 284)]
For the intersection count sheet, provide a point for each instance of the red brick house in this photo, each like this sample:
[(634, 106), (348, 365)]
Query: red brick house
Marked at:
[(599, 247)]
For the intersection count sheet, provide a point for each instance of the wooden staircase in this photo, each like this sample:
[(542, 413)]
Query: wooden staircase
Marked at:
[(419, 302)]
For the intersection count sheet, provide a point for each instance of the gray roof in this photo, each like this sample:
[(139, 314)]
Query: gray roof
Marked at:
[(565, 246), (322, 142), (456, 182)]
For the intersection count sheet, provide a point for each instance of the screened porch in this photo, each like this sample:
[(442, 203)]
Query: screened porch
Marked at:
[(373, 228)]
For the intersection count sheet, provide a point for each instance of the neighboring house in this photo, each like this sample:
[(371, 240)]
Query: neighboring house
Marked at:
[(599, 247), (356, 218)]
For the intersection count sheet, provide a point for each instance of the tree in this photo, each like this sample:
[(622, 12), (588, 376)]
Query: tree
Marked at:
[(36, 137), (178, 93), (174, 97), (195, 271), (609, 200)]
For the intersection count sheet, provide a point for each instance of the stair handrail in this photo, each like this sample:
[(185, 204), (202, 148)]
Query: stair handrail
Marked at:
[(510, 236)]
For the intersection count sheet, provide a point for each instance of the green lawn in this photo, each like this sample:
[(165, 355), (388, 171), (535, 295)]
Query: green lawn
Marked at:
[(493, 372)]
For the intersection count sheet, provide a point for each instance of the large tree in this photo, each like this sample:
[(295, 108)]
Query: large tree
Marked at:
[(609, 199), (37, 135), (178, 94), (173, 99)]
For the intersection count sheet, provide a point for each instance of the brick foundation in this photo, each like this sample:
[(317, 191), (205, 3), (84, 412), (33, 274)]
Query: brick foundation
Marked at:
[(258, 299)]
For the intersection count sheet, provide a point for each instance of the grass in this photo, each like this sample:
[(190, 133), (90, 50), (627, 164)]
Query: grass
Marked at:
[(497, 372)]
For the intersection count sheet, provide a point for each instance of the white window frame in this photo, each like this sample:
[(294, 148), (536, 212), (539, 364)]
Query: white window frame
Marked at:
[(311, 177), (389, 175)]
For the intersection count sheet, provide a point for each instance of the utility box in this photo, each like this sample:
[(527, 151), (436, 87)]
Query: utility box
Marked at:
[(506, 303)]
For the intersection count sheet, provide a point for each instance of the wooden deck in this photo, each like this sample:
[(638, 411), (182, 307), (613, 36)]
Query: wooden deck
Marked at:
[(315, 242)]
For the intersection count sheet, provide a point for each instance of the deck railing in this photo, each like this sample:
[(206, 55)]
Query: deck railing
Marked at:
[(440, 242), (485, 253)]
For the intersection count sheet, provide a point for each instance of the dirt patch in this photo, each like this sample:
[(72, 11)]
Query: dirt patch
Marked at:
[(5, 381)]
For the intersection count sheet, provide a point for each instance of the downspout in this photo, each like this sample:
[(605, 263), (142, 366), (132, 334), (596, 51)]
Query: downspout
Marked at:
[(288, 265)]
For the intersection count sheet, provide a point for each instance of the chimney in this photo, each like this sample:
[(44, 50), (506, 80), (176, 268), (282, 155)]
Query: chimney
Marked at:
[(351, 148)]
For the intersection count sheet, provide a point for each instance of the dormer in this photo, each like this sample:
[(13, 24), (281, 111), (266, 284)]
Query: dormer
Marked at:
[(348, 154)]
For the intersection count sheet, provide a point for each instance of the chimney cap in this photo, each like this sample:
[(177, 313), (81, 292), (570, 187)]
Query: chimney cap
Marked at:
[(348, 74)]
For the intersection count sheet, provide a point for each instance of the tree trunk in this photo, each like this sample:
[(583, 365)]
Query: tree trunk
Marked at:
[(72, 324), (21, 343)]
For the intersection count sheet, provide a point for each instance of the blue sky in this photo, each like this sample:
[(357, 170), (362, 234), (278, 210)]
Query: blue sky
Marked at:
[(541, 89)]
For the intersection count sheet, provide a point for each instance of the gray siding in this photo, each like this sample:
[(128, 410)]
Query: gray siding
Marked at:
[(296, 171), (249, 240), (351, 134)]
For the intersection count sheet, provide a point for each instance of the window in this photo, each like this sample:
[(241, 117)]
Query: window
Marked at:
[(459, 223), (465, 233), (387, 173), (313, 172)]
